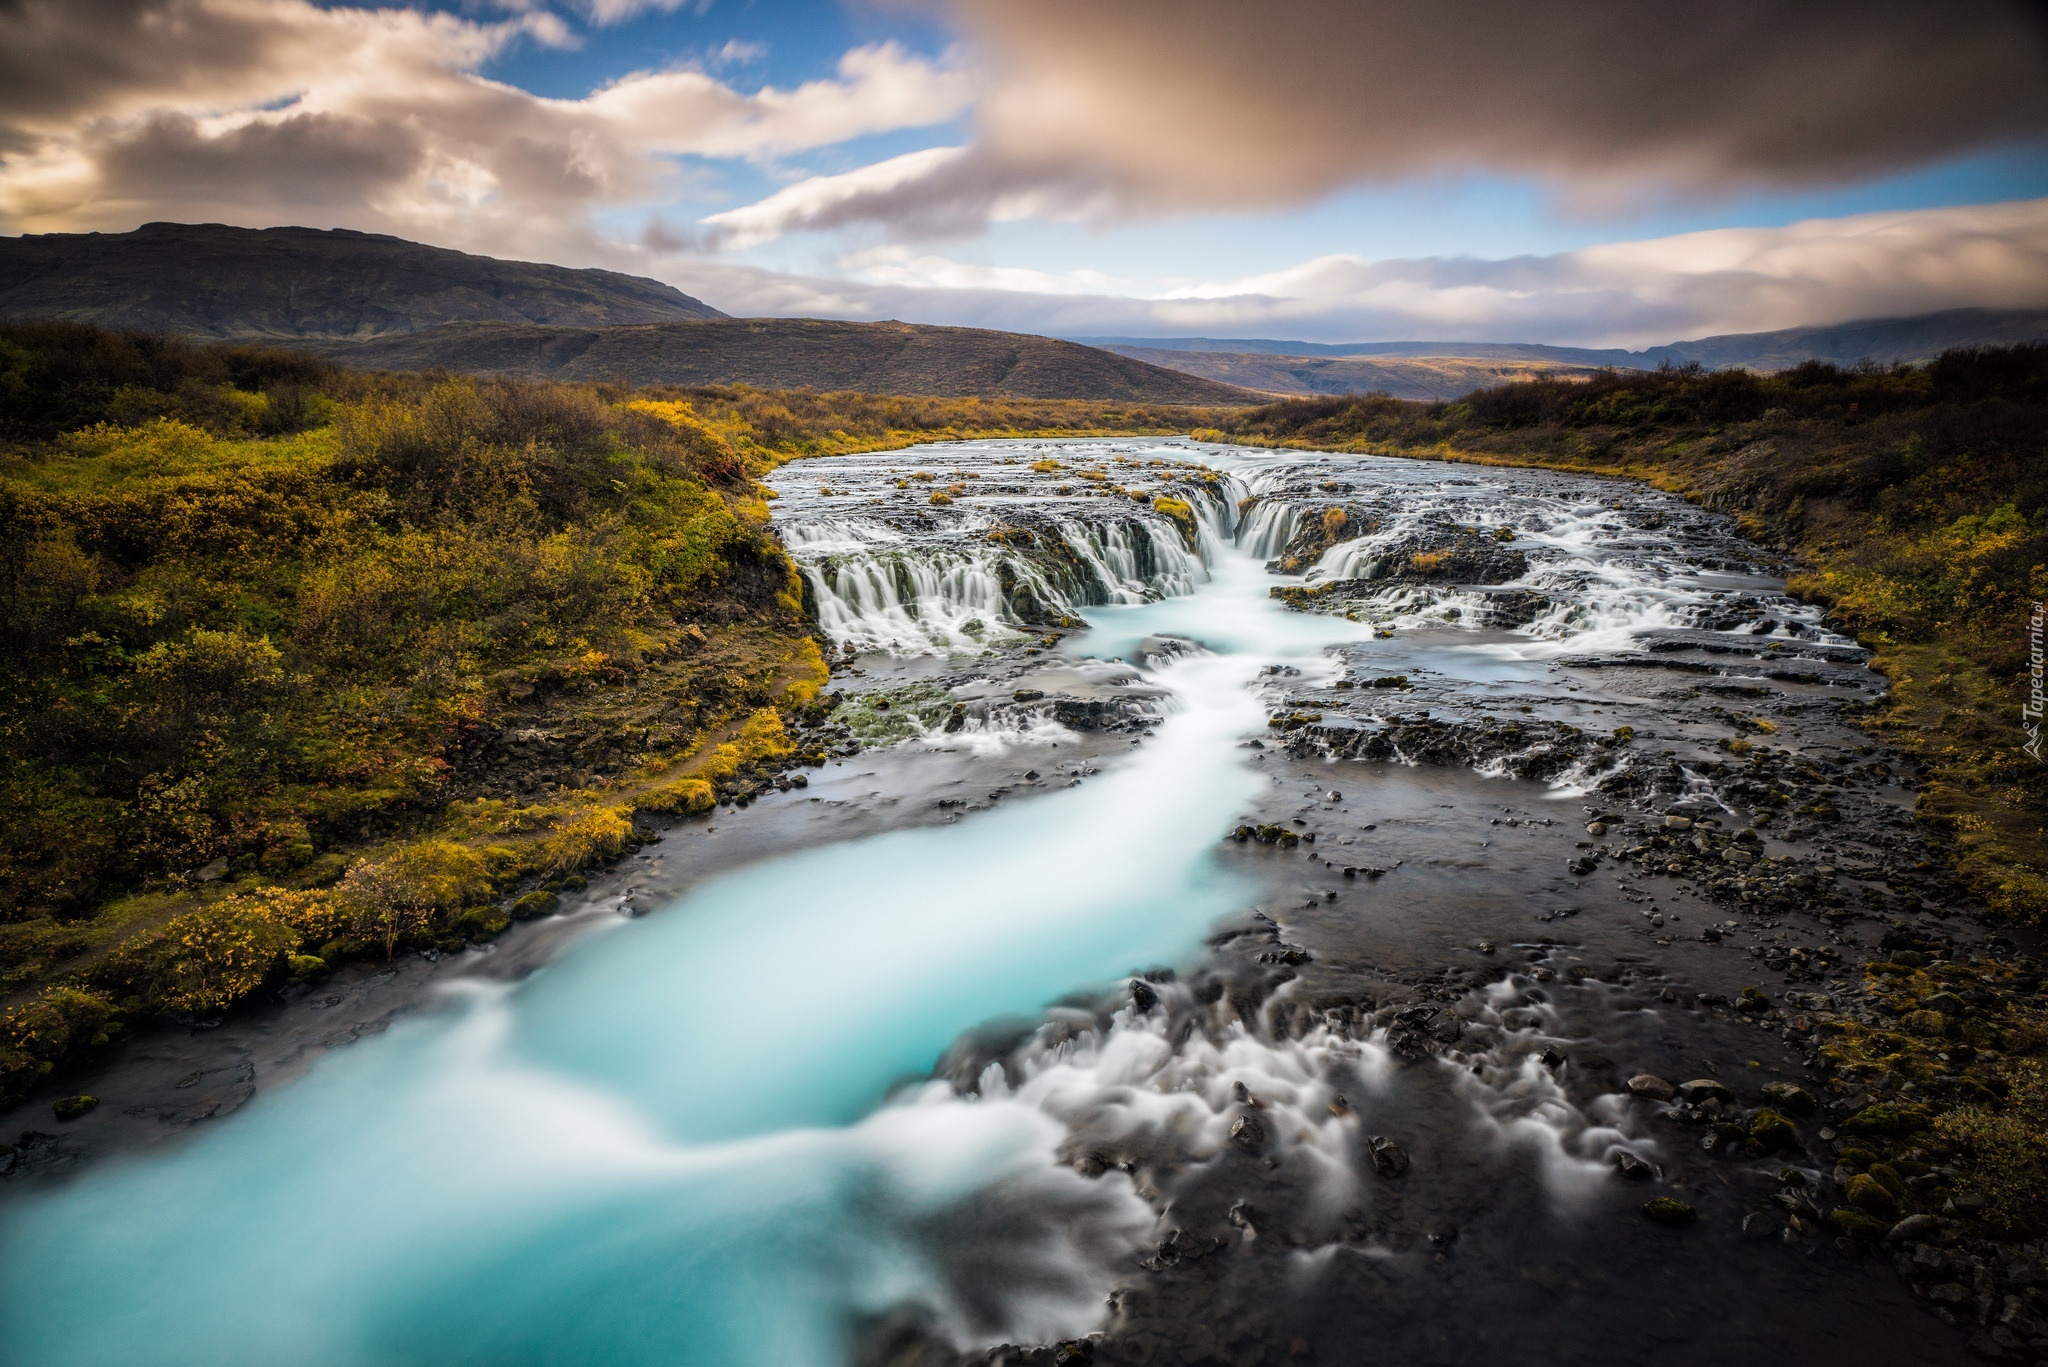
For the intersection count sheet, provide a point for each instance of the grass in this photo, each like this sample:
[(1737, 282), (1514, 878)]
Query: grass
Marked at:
[(274, 628)]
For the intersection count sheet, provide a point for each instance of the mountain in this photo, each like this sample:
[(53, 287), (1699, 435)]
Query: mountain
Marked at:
[(1887, 341), (793, 353), (1477, 351), (209, 281), (1437, 377)]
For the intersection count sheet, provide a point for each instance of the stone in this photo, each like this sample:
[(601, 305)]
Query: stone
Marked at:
[(1705, 1089), (1867, 1193), (1247, 1133), (1855, 1224), (1142, 995), (1759, 1225), (1669, 1210), (1773, 1131), (538, 903), (1789, 1097), (1913, 1228), (1677, 823), (1650, 1087), (72, 1107), (1633, 1168), (1387, 1156)]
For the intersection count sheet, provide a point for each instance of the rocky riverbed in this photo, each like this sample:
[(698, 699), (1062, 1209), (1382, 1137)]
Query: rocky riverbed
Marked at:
[(1251, 907)]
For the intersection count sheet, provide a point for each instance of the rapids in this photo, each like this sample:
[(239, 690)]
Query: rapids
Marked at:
[(894, 1084)]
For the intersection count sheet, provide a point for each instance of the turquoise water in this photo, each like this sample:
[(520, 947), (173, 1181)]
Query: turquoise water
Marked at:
[(679, 1144)]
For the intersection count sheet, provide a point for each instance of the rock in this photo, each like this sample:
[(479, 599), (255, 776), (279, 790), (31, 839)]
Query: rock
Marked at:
[(1028, 695), (1073, 1351), (1737, 857), (1773, 1131), (1182, 1244), (1142, 995), (1758, 1225), (72, 1107), (1030, 774), (1867, 1193), (1596, 829), (1705, 1089), (1913, 1228), (538, 903), (1552, 1057), (1947, 1003), (1333, 796), (1677, 823), (1387, 1156), (1650, 1087), (1789, 1098), (1669, 1210), (1854, 1224), (1247, 1133), (1633, 1168)]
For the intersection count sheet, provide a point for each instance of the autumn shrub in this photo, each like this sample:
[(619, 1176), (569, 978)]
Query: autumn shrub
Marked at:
[(208, 959)]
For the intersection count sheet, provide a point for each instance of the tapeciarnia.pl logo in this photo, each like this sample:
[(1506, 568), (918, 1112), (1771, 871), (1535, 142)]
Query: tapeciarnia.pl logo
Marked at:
[(2032, 711)]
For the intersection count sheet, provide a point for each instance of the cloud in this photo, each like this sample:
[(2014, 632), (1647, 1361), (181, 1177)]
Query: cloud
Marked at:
[(111, 110), (1152, 106), (1624, 294)]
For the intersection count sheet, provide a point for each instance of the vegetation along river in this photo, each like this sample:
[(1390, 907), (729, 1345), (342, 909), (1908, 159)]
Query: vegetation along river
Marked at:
[(1256, 913)]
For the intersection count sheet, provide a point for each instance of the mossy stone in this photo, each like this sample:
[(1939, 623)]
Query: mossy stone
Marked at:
[(1669, 1210), (1867, 1193), (1789, 1098), (72, 1107), (534, 905), (1855, 1224), (1773, 1131)]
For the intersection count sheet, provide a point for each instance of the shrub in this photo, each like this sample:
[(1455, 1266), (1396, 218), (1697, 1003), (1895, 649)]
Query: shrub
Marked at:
[(206, 960)]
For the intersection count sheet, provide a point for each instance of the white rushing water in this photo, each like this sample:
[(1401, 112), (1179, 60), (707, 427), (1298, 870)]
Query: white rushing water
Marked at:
[(678, 1144)]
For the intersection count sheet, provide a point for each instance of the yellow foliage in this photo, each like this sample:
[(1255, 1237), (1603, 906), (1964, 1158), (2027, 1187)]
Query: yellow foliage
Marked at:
[(206, 960), (596, 831)]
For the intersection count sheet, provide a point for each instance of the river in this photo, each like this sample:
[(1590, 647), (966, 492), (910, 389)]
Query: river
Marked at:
[(874, 1080)]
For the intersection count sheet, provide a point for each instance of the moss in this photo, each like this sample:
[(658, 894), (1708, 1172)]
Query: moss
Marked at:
[(1856, 1224), (1772, 1131), (1669, 1210), (306, 968), (72, 1107), (1867, 1193), (534, 905)]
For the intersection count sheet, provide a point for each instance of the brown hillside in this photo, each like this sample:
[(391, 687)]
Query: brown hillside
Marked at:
[(796, 353)]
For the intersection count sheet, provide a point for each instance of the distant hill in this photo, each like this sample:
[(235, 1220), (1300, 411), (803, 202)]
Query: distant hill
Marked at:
[(1424, 378), (279, 284), (794, 353), (1887, 341)]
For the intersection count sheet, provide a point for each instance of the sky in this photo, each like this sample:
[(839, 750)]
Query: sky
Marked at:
[(1592, 172)]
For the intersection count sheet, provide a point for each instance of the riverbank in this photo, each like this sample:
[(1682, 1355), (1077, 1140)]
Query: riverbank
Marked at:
[(306, 666)]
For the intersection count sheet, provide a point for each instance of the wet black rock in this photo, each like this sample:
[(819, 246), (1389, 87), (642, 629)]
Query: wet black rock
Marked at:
[(1705, 1089), (1388, 1158), (1143, 997), (1650, 1087), (1247, 1133), (1633, 1167)]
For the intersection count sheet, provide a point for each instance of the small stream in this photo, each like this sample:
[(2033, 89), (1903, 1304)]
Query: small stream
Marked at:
[(884, 1087)]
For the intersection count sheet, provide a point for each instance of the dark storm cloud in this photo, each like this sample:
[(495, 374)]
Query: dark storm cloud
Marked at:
[(1225, 102)]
